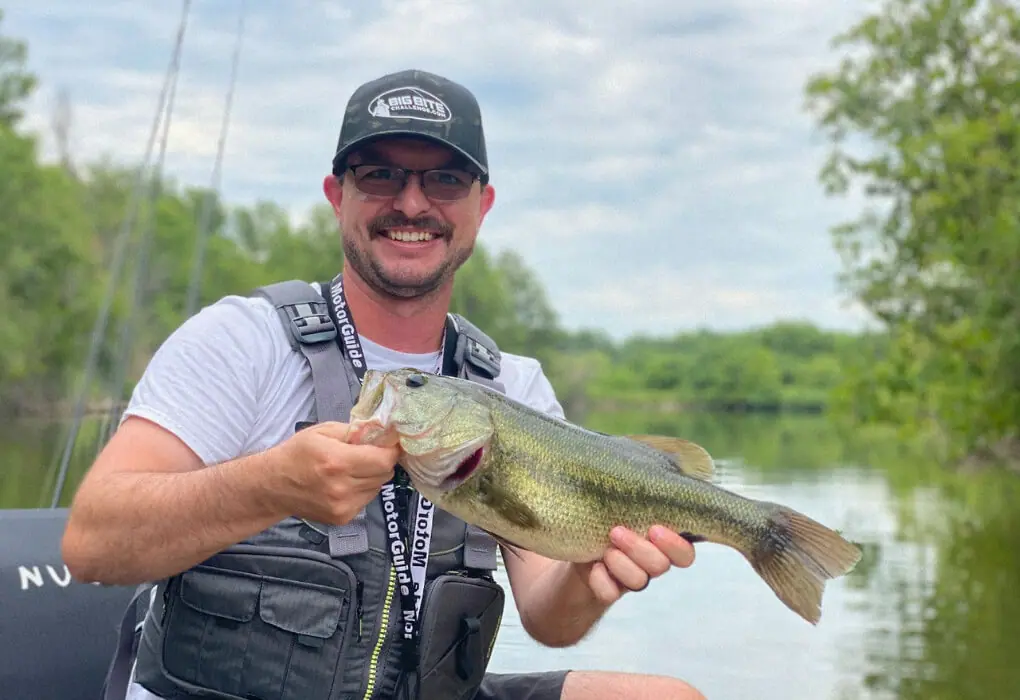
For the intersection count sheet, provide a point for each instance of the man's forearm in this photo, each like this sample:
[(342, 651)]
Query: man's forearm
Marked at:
[(560, 608), (127, 528)]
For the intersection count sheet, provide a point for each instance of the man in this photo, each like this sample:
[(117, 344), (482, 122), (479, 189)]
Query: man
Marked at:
[(208, 456)]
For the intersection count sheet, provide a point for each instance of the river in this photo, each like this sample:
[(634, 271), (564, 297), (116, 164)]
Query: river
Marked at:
[(931, 612)]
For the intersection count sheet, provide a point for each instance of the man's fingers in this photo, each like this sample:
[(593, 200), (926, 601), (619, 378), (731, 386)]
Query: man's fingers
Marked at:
[(651, 560), (679, 550), (362, 460), (369, 460), (601, 582), (334, 429), (625, 570)]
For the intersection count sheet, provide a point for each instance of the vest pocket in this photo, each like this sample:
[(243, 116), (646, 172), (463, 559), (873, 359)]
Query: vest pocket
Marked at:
[(238, 628), (460, 618)]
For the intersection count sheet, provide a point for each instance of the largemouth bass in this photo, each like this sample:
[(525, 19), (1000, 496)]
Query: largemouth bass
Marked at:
[(555, 488)]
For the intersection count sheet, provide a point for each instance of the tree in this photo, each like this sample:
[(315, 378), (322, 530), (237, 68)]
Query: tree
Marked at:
[(45, 271), (924, 117), (16, 82)]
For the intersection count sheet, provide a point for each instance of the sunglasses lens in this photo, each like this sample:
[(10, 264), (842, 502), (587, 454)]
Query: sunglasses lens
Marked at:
[(384, 181), (446, 184), (378, 180)]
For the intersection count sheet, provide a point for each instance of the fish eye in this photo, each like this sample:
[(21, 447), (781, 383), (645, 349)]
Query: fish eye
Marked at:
[(416, 380)]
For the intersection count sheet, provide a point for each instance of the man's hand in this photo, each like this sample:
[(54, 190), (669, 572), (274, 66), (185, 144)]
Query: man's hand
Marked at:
[(560, 602), (149, 508), (633, 561), (324, 475)]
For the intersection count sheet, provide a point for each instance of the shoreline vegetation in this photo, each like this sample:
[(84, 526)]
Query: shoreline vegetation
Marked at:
[(648, 403), (932, 259)]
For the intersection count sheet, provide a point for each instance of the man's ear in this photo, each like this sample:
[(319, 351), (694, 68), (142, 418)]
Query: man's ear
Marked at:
[(333, 188), (485, 201)]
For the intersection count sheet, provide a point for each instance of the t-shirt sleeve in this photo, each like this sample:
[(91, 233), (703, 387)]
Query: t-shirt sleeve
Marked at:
[(202, 384), (535, 390)]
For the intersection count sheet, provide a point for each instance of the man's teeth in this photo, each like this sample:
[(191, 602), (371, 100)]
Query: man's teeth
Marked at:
[(410, 236)]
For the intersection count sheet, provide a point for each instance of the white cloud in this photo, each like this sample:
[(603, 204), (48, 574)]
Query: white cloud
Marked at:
[(651, 153)]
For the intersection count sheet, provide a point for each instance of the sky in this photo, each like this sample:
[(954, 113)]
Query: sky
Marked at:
[(653, 161)]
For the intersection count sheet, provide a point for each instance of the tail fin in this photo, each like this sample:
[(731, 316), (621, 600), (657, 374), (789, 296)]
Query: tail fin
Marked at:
[(797, 556)]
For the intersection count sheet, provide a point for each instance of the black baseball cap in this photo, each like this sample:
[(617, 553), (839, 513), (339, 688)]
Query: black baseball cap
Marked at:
[(414, 103)]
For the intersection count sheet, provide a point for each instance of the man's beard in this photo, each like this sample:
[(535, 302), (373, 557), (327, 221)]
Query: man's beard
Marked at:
[(394, 284)]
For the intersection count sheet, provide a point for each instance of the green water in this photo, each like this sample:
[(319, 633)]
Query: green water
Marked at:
[(932, 612)]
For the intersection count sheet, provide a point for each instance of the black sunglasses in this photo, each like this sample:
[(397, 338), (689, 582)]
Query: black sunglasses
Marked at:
[(445, 184)]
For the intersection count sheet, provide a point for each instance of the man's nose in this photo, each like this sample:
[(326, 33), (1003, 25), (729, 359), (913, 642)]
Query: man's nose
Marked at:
[(411, 201)]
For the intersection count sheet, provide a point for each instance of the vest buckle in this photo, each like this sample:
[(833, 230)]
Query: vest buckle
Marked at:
[(472, 352), (310, 322)]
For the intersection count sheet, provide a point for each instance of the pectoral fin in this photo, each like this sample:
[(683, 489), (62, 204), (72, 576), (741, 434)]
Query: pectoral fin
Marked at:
[(508, 546), (507, 504), (509, 507), (688, 457), (516, 512)]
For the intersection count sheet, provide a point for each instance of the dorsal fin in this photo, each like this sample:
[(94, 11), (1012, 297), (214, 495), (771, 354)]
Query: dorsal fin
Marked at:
[(690, 458)]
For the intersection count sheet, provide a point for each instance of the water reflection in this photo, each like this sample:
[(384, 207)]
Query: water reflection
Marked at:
[(929, 613), (719, 626), (30, 453), (957, 604)]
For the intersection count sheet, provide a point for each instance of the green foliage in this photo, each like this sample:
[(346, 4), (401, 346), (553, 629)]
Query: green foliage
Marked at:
[(16, 83), (924, 117), (786, 366), (62, 230), (38, 237)]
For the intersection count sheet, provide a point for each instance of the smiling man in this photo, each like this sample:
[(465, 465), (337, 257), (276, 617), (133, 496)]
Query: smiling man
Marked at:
[(289, 562)]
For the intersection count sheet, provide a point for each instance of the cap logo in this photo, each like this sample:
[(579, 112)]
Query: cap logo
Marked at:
[(409, 103)]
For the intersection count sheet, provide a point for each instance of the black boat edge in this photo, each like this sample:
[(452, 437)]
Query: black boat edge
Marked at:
[(57, 635)]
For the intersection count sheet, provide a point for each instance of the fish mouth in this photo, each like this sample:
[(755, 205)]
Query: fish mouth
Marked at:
[(463, 471), (446, 472), (439, 453), (372, 418), (371, 412)]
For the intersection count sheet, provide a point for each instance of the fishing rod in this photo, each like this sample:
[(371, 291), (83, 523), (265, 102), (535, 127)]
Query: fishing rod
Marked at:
[(205, 218), (117, 262)]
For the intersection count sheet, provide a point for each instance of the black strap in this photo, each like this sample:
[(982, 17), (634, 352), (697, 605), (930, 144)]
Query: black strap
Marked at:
[(397, 491), (118, 675)]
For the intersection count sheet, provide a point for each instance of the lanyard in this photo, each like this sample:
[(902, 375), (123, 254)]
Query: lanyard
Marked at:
[(410, 568)]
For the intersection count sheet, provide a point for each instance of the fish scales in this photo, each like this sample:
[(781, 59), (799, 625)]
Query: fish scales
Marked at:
[(586, 486), (546, 485)]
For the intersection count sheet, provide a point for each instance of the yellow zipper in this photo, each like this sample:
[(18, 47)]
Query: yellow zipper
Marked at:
[(384, 624), (492, 642)]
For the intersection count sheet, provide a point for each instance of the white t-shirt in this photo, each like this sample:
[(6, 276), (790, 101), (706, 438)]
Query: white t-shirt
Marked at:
[(227, 383)]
